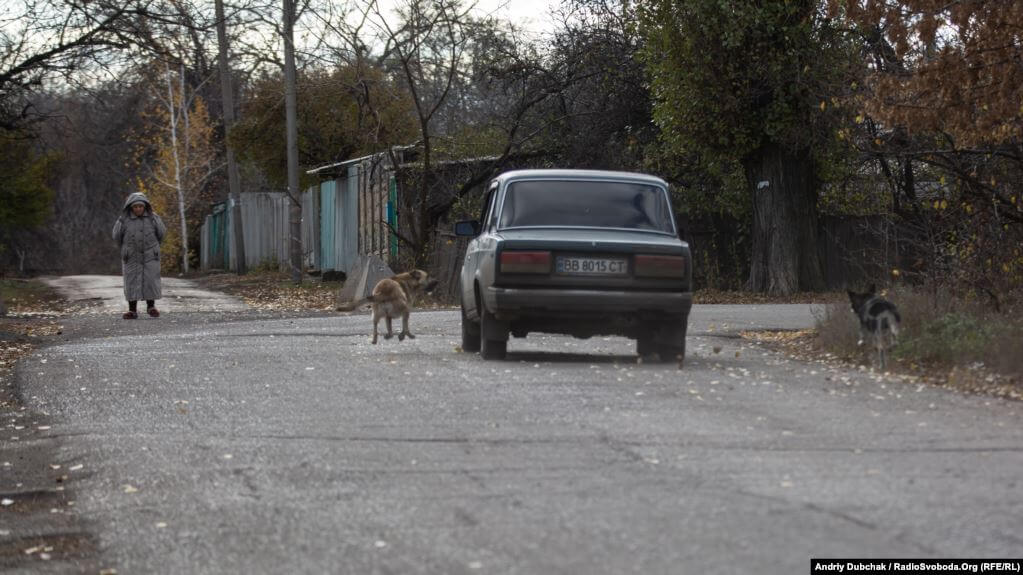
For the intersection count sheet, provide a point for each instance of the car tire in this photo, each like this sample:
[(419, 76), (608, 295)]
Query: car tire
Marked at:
[(490, 348), (667, 341), (470, 334)]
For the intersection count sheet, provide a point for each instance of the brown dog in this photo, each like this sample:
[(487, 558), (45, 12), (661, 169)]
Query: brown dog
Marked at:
[(392, 297)]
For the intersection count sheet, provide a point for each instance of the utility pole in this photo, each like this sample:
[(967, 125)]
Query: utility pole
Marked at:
[(291, 120), (234, 184)]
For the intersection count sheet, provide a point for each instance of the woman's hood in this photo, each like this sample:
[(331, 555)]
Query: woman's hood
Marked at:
[(137, 197)]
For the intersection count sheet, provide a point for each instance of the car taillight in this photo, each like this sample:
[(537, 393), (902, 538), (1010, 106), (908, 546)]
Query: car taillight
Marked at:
[(660, 266), (513, 262)]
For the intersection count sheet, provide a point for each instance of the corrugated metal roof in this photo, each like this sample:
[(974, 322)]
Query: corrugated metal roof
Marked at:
[(330, 168)]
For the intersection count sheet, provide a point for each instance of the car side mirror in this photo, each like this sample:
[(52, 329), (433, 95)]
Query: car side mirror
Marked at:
[(470, 228)]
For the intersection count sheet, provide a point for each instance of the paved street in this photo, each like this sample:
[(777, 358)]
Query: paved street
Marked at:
[(179, 295), (230, 444)]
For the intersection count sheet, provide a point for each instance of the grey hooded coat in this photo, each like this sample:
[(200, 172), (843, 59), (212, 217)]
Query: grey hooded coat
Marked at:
[(139, 238)]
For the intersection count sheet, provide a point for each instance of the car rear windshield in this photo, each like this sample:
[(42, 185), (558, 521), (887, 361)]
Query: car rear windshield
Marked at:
[(589, 204)]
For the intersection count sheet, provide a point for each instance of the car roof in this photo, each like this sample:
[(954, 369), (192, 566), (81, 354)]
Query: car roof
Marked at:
[(558, 174)]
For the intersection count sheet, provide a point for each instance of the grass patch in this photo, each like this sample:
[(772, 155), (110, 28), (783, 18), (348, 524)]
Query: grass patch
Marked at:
[(24, 295), (938, 330)]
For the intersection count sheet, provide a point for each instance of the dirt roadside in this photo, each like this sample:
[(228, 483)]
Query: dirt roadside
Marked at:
[(973, 379)]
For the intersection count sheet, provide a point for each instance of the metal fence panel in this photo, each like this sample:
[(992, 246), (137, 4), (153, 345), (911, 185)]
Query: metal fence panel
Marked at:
[(328, 251), (347, 220), (311, 228)]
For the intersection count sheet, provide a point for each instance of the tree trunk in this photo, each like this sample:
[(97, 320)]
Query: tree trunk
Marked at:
[(3, 306), (179, 185), (291, 119), (234, 185), (785, 258)]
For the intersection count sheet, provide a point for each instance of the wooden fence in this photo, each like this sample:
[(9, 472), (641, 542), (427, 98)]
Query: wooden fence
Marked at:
[(854, 251)]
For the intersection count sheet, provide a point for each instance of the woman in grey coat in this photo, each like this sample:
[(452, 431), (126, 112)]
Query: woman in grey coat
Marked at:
[(138, 232)]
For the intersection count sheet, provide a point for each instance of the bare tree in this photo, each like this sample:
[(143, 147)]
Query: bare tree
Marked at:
[(476, 92), (227, 105), (292, 141)]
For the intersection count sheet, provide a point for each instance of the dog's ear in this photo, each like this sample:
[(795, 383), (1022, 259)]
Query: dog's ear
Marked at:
[(855, 299), (417, 274)]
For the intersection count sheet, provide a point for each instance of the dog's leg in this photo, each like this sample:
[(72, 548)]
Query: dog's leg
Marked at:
[(390, 332), (879, 346), (376, 320), (404, 328)]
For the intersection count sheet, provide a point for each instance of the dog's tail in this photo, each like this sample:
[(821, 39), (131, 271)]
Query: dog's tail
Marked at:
[(353, 305)]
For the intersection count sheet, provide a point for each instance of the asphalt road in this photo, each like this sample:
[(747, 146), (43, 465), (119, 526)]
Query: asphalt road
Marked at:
[(227, 444), (179, 295)]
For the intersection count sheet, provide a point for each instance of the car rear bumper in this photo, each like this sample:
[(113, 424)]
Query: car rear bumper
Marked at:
[(521, 301)]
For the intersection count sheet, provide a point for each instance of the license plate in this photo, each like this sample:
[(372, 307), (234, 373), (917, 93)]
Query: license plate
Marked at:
[(591, 266)]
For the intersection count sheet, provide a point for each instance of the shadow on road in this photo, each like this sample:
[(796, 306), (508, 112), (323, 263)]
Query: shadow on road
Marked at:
[(562, 357)]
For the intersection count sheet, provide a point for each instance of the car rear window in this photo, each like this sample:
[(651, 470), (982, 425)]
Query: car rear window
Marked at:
[(587, 204)]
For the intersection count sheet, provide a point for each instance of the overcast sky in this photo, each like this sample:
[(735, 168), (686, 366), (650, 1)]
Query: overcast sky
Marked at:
[(533, 15)]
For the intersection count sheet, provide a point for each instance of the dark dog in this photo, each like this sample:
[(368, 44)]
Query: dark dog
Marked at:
[(392, 297), (879, 320)]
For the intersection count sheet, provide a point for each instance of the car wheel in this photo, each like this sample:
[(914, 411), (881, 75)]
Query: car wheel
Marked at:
[(668, 342), (470, 334), (490, 348), (646, 346), (674, 348)]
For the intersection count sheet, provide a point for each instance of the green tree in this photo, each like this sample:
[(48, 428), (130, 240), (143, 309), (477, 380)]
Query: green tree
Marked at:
[(336, 121), (25, 197), (753, 86)]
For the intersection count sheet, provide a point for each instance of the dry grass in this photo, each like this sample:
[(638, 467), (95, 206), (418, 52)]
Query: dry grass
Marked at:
[(713, 296), (23, 296), (273, 290), (952, 339)]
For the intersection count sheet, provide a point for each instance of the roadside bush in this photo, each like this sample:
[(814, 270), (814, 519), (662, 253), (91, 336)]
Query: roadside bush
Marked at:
[(837, 330), (949, 338), (937, 330)]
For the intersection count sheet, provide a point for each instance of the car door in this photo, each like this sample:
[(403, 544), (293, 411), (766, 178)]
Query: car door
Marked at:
[(476, 250)]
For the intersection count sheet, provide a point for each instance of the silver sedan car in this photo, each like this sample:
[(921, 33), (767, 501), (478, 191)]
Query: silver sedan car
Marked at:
[(575, 252)]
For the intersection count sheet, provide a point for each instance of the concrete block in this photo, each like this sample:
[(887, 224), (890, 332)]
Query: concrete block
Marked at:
[(368, 271)]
